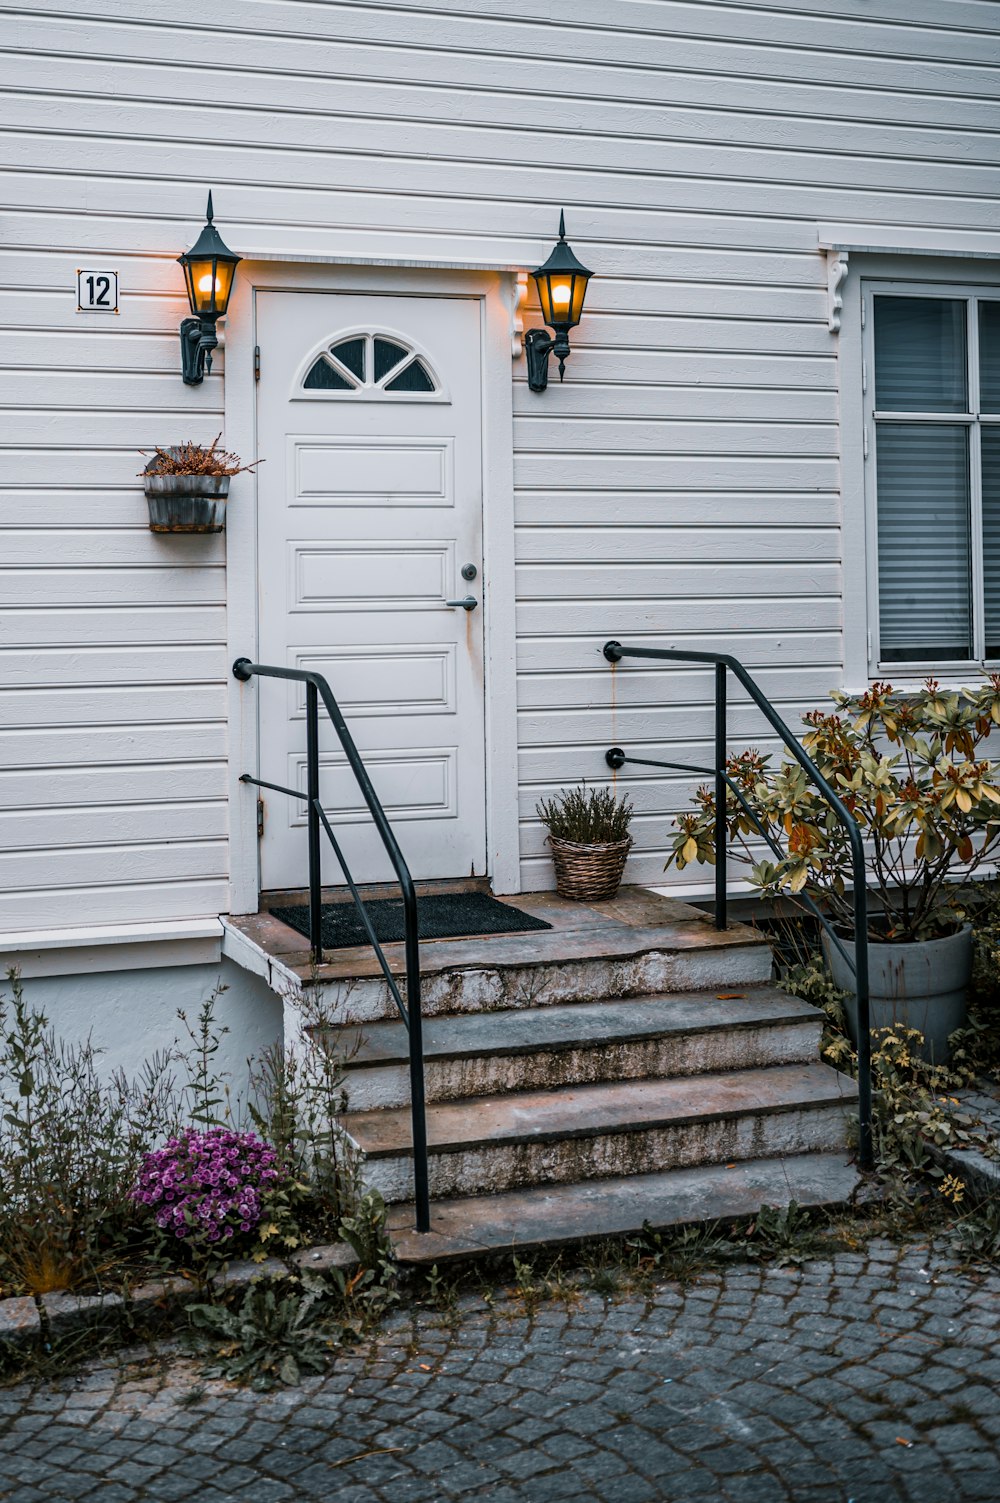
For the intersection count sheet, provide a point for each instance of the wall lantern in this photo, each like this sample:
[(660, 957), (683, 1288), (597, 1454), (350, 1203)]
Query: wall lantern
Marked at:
[(562, 287), (209, 271)]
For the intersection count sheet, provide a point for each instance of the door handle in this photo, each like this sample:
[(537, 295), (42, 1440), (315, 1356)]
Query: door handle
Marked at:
[(468, 604)]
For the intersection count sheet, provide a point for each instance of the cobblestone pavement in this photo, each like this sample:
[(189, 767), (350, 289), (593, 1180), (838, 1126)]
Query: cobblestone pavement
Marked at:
[(868, 1377)]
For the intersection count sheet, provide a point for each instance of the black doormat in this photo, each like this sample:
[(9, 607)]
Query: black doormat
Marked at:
[(443, 915)]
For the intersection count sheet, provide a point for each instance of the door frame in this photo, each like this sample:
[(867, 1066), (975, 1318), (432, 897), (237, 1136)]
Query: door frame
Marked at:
[(497, 295)]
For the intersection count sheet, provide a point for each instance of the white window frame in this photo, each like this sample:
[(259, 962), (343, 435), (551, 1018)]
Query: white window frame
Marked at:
[(972, 292)]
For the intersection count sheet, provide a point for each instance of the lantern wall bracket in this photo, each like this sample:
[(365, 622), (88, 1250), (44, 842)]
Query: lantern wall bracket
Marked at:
[(198, 340), (539, 344)]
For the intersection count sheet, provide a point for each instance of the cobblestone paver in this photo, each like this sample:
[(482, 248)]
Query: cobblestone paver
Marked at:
[(869, 1377)]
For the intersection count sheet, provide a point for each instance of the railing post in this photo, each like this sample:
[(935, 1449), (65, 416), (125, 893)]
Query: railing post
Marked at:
[(418, 1109), (721, 841), (315, 852), (866, 1147)]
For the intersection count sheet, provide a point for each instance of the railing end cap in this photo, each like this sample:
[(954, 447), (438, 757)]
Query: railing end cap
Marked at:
[(613, 651), (241, 669)]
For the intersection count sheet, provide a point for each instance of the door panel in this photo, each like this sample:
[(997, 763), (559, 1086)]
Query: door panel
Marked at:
[(369, 506)]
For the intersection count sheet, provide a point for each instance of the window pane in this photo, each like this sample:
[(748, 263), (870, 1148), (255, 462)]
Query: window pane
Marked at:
[(991, 536), (323, 377), (989, 357), (920, 363), (387, 354), (923, 542), (351, 352), (413, 378)]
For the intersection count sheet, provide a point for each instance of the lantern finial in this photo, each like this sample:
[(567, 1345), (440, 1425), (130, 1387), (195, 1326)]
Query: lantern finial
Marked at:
[(562, 223), (210, 212)]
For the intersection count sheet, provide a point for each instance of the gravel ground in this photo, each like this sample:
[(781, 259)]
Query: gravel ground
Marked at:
[(868, 1376)]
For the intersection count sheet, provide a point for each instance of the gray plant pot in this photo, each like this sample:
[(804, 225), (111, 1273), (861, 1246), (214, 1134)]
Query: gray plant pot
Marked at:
[(920, 985), (186, 503)]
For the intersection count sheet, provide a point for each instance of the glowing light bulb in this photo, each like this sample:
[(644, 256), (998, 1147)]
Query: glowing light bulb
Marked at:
[(205, 283), (560, 296)]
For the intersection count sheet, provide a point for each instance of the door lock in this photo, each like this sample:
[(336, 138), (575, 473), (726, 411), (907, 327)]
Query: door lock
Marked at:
[(469, 571)]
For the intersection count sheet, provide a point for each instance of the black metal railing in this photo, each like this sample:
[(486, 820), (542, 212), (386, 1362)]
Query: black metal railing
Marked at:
[(318, 689), (616, 757)]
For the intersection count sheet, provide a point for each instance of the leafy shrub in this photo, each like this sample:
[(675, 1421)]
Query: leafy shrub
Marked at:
[(907, 767), (915, 1108), (208, 1187), (274, 1335), (70, 1148), (587, 816), (297, 1098), (270, 1338)]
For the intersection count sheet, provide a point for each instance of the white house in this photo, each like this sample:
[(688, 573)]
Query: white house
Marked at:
[(778, 433)]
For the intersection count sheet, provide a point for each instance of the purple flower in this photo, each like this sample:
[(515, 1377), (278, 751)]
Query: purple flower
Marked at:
[(199, 1183)]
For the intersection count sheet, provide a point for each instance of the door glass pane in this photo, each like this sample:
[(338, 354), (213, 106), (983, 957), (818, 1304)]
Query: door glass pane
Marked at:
[(351, 352), (991, 536), (923, 542), (323, 377), (989, 357), (413, 378), (920, 363), (387, 354)]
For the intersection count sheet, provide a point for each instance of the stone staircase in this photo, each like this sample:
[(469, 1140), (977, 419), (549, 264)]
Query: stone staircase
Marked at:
[(631, 1064)]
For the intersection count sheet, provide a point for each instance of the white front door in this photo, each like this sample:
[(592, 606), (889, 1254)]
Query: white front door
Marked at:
[(369, 510)]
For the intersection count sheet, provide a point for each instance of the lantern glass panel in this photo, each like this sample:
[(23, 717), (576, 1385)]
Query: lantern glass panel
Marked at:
[(210, 282), (561, 296)]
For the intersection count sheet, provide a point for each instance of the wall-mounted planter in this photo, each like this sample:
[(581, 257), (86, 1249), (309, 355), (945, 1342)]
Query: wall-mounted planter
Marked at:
[(186, 503)]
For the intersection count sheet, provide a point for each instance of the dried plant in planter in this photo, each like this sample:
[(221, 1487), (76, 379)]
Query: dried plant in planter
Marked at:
[(187, 484), (589, 839), (588, 816), (195, 459)]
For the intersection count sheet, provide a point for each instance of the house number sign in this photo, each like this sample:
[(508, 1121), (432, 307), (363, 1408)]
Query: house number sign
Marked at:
[(97, 292)]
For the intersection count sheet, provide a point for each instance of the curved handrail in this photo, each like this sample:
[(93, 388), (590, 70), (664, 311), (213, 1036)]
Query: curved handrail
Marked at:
[(244, 670), (725, 662)]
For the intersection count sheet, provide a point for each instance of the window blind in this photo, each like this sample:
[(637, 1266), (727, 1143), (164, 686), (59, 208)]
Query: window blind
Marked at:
[(991, 536), (924, 585), (989, 356)]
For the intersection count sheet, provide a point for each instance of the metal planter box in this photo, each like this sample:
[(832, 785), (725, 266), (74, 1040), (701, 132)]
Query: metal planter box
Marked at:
[(186, 503)]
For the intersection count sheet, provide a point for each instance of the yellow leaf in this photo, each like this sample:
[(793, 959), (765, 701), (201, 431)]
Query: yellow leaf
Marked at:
[(690, 849), (963, 800)]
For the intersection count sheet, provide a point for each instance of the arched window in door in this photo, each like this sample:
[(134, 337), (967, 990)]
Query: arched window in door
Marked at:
[(371, 365)]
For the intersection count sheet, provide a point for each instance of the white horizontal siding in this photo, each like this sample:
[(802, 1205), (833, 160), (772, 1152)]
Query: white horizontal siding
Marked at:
[(682, 485)]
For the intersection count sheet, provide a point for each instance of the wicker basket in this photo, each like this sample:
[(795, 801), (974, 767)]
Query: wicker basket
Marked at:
[(586, 873)]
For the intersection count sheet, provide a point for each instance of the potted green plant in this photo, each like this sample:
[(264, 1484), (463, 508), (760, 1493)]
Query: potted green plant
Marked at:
[(908, 766), (187, 484), (589, 839)]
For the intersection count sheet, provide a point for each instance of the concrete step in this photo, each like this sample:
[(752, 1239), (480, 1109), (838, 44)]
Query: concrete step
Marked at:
[(492, 1143), (674, 1034), (635, 944), (552, 1215)]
